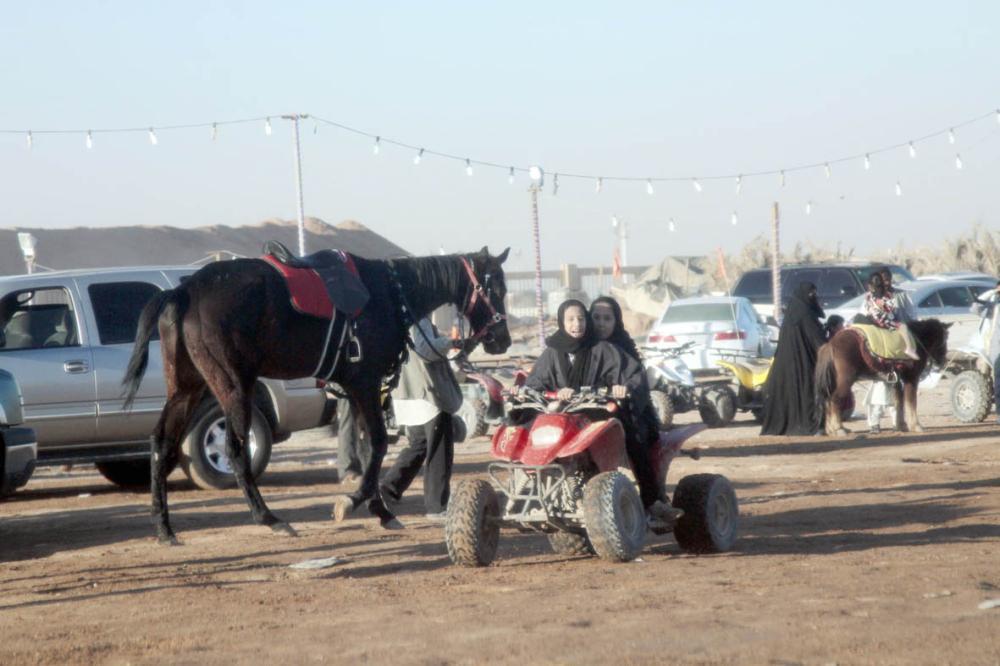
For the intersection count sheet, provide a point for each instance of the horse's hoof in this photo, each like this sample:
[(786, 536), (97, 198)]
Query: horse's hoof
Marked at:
[(392, 524), (281, 527), (168, 540), (343, 506), (917, 428), (843, 431)]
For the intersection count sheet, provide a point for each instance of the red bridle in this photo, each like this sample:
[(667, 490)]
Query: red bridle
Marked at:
[(477, 295)]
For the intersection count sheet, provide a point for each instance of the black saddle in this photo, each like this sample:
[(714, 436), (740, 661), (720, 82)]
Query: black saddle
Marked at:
[(336, 270), (316, 260)]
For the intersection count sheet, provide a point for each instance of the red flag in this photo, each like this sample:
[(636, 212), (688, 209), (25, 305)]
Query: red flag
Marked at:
[(722, 267), (616, 265)]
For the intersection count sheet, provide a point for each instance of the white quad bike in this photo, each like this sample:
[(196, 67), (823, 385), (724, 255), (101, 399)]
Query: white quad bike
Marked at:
[(672, 389), (972, 368)]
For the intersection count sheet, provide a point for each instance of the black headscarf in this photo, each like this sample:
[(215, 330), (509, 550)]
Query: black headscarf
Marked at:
[(619, 336), (563, 342), (803, 304)]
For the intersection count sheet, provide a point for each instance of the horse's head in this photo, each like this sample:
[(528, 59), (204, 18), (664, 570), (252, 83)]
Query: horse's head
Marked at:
[(484, 306), (932, 335)]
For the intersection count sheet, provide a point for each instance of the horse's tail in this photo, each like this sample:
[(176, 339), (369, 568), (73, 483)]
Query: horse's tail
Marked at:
[(826, 374), (144, 333)]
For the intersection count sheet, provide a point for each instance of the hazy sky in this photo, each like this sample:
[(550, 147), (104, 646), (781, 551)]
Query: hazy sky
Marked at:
[(650, 89)]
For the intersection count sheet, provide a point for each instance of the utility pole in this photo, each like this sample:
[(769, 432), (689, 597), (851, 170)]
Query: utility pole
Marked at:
[(537, 180), (295, 117), (775, 262)]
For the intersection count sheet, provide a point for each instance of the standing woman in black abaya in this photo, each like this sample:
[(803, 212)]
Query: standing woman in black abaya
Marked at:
[(789, 396)]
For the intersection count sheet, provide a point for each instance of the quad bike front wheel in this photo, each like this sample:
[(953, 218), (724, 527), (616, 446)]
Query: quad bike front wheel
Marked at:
[(472, 526), (711, 514), (717, 406), (616, 521), (663, 407), (971, 397)]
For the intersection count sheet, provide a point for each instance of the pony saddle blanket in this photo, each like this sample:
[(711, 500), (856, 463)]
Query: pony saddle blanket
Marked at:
[(882, 342), (319, 283)]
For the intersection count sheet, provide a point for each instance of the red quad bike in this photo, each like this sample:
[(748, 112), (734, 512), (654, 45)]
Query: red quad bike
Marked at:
[(565, 472)]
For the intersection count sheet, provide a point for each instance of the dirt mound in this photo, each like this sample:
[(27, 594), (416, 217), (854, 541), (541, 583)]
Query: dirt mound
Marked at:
[(85, 247)]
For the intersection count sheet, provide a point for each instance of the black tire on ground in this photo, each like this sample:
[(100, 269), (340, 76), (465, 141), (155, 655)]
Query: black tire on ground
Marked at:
[(711, 514), (472, 526), (570, 543), (473, 412), (128, 473), (663, 407), (971, 397), (616, 521), (718, 406), (203, 451)]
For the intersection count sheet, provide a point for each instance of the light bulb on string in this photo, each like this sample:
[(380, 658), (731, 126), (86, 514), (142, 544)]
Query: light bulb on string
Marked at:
[(734, 218), (90, 140), (315, 127), (913, 150), (951, 136), (468, 167), (599, 185), (958, 162), (31, 140), (215, 131), (998, 116), (555, 184), (671, 226), (152, 137), (696, 185), (827, 171), (649, 186), (377, 146), (781, 180), (419, 156), (868, 162), (739, 184), (899, 189), (510, 176), (809, 207), (267, 126)]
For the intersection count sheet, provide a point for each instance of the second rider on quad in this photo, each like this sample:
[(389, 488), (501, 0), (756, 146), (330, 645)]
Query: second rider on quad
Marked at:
[(573, 358)]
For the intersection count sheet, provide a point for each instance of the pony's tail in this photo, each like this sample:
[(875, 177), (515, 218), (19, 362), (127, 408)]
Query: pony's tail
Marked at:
[(140, 352), (826, 375)]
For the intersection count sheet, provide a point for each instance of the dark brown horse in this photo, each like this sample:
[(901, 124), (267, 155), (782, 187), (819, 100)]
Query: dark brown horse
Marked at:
[(232, 322), (843, 360)]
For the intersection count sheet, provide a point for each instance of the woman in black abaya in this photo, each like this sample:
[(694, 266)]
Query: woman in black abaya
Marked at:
[(789, 396)]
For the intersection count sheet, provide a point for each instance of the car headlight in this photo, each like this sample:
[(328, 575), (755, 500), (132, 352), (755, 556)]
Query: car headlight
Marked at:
[(546, 435)]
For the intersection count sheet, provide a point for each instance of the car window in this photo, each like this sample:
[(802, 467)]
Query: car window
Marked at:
[(754, 285), (931, 301), (117, 306), (37, 318), (955, 297), (837, 283), (689, 312), (793, 277), (899, 274)]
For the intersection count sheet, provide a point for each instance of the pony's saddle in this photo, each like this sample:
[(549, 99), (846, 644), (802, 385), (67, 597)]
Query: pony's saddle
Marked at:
[(321, 282), (883, 350)]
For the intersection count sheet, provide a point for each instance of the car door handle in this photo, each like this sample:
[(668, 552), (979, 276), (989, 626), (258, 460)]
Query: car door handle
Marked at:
[(76, 367)]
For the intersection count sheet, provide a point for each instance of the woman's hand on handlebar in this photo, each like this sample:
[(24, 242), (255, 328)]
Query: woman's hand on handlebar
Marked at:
[(564, 393), (618, 391)]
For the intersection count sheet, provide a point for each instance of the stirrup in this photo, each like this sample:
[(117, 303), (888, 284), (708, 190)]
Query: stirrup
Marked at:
[(354, 354)]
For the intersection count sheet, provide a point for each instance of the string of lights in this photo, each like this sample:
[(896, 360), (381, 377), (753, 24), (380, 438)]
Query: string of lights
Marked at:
[(421, 152)]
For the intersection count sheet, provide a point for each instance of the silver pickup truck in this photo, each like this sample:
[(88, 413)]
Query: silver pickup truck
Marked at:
[(66, 337)]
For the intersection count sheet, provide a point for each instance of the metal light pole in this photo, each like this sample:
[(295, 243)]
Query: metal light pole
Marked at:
[(537, 181), (27, 242), (298, 179), (776, 262)]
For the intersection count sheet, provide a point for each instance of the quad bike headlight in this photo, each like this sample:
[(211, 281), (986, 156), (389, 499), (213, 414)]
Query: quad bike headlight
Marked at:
[(546, 435)]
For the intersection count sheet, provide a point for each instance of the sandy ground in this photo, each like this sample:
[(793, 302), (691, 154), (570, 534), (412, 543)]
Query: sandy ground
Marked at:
[(856, 550)]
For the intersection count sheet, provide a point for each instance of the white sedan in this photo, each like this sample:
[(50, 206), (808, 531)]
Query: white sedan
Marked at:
[(719, 325)]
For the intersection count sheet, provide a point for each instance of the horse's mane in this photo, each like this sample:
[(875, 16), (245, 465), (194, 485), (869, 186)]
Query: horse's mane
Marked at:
[(445, 270)]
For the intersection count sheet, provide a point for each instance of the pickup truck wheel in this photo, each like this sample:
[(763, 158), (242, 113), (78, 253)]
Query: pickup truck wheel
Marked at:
[(128, 473), (204, 449)]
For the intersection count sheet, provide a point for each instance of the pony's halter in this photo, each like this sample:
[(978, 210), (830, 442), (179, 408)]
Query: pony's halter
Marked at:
[(480, 295)]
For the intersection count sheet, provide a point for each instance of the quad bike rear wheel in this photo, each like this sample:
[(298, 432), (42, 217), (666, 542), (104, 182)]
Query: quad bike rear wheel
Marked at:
[(616, 521), (473, 412), (718, 406), (711, 514), (570, 543), (472, 526), (971, 397)]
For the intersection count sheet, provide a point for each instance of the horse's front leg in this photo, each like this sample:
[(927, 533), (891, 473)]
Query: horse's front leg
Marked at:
[(910, 402), (899, 409), (238, 423), (368, 403)]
